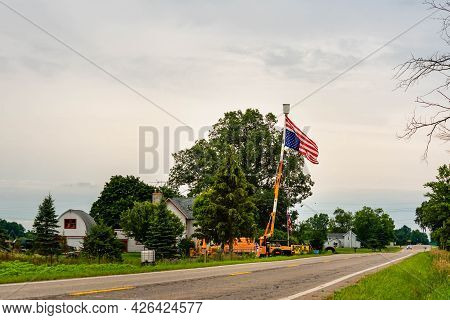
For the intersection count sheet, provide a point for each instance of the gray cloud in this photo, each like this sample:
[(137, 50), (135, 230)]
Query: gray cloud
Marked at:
[(312, 64), (80, 185)]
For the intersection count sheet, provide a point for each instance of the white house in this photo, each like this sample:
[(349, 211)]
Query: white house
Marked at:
[(182, 208), (73, 225), (342, 240)]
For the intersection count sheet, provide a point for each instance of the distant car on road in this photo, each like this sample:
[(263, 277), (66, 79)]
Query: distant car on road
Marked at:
[(409, 247)]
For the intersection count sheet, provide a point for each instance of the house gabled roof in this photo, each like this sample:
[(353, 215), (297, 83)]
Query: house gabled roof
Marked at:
[(87, 219), (336, 235), (184, 205)]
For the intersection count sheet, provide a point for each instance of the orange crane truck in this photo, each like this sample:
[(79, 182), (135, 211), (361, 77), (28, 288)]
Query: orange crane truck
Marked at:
[(274, 247)]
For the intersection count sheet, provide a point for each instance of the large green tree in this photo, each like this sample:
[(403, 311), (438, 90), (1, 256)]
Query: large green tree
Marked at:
[(374, 227), (385, 234), (402, 235), (120, 194), (418, 237), (257, 143), (14, 230), (316, 230), (405, 235), (155, 226), (434, 213), (342, 221), (46, 239), (101, 243), (226, 210)]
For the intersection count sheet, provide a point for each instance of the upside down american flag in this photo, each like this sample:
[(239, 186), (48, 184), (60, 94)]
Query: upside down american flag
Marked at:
[(297, 140)]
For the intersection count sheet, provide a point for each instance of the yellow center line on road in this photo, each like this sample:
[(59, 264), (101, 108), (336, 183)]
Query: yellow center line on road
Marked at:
[(240, 273), (83, 293)]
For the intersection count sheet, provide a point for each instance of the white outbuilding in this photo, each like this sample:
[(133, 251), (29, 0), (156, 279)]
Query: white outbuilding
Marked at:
[(73, 225)]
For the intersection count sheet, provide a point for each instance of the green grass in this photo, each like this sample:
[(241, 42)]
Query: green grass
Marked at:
[(21, 271), (365, 250), (423, 276), (23, 267)]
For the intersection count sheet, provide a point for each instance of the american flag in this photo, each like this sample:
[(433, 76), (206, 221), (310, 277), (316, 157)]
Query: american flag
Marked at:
[(297, 140), (289, 220)]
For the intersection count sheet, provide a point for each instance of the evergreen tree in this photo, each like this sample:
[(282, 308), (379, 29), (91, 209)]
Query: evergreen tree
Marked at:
[(102, 243), (227, 209), (155, 226), (45, 229)]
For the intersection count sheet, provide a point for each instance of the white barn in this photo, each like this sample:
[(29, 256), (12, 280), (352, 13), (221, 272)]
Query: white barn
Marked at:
[(73, 225), (342, 240)]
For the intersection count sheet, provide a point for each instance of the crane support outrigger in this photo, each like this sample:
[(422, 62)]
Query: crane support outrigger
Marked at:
[(265, 249)]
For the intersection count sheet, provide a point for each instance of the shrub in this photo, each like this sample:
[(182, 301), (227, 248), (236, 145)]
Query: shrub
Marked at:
[(101, 243)]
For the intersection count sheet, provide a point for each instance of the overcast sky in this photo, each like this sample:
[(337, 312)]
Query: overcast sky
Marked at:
[(66, 127)]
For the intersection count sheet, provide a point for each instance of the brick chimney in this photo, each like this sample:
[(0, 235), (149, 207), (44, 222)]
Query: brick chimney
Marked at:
[(156, 197)]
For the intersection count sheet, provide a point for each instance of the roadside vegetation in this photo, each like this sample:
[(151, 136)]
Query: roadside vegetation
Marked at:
[(423, 276), (19, 267), (22, 268)]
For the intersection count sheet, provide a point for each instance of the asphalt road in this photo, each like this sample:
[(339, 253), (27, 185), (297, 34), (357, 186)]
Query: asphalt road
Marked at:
[(306, 278)]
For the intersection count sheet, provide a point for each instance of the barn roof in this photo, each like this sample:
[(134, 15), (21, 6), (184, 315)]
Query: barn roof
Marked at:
[(88, 220)]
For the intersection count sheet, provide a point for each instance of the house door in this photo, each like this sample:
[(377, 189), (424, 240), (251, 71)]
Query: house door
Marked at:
[(125, 245)]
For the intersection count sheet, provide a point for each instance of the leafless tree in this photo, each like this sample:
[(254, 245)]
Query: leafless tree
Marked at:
[(435, 104)]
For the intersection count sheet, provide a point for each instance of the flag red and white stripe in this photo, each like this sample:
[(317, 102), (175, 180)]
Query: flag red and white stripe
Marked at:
[(307, 147)]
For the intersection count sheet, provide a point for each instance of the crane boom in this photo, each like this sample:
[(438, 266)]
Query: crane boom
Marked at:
[(268, 232)]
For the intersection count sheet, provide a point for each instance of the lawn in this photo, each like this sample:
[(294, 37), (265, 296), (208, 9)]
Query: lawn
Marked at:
[(22, 267), (423, 276), (22, 271)]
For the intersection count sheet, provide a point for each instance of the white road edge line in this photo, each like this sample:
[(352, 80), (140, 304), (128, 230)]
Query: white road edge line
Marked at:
[(304, 293)]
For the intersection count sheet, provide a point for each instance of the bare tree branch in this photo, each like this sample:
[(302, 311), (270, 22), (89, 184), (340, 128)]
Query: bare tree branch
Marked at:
[(437, 112)]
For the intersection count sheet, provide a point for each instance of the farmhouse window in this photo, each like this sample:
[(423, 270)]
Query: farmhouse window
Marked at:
[(70, 223)]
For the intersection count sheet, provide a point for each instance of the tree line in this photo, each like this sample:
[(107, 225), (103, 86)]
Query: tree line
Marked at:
[(231, 176), (374, 227)]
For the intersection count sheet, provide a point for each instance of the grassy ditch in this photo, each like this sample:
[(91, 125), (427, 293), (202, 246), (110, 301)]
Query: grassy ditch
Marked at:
[(423, 276)]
